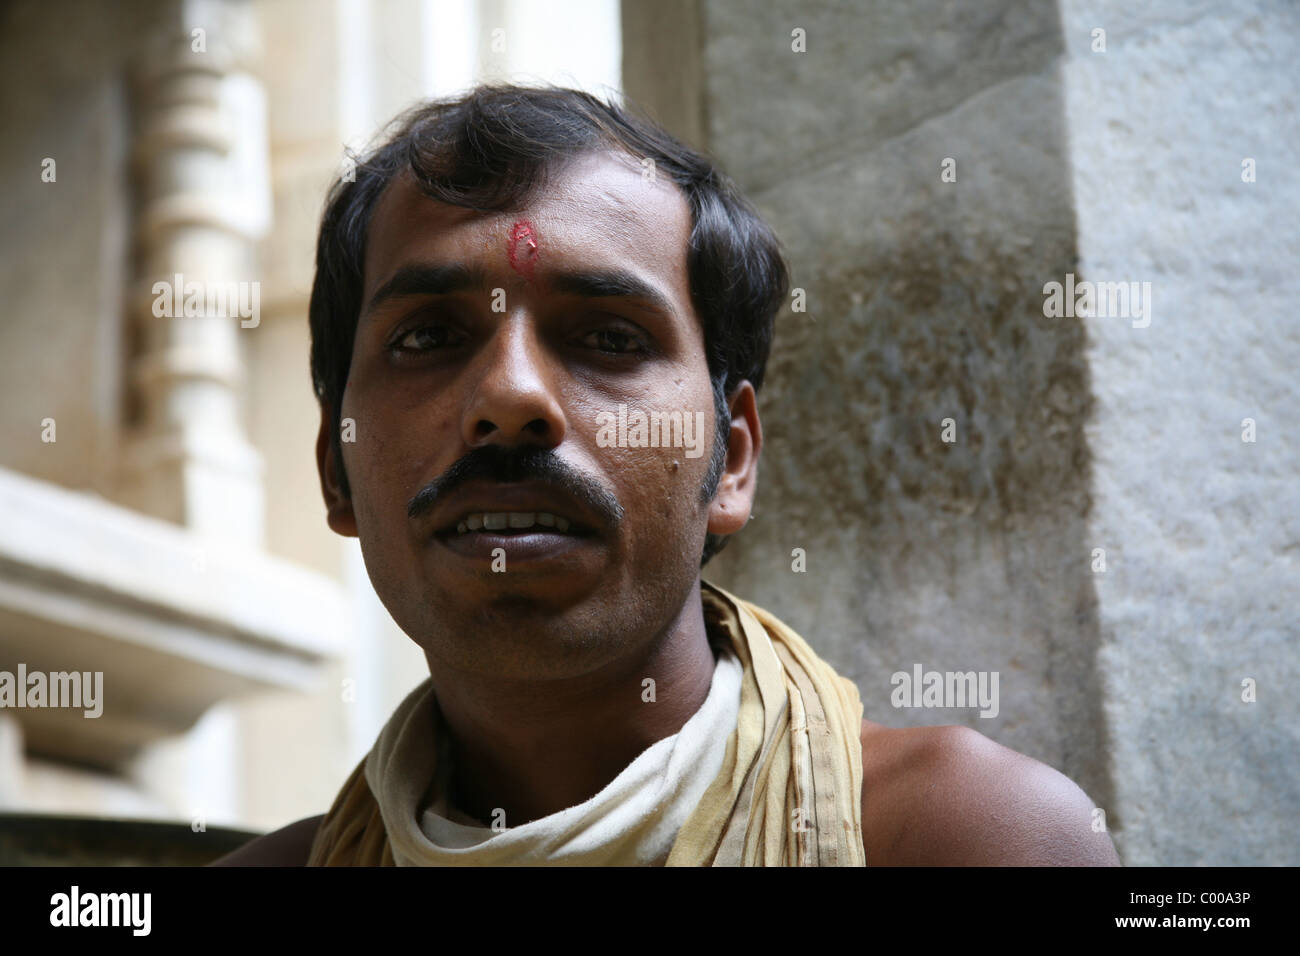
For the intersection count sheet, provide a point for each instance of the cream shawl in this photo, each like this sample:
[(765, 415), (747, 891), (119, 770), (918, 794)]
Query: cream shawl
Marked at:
[(789, 789)]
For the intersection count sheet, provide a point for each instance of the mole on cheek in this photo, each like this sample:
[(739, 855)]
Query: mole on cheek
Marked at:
[(523, 248)]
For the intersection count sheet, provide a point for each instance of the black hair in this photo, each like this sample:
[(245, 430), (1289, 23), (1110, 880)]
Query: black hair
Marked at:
[(490, 150)]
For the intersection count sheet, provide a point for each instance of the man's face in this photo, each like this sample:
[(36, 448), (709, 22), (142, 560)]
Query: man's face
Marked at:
[(482, 398)]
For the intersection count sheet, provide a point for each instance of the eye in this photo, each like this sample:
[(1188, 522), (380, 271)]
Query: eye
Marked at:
[(615, 341), (422, 338)]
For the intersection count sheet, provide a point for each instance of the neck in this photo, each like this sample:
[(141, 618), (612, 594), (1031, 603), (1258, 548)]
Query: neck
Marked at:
[(533, 749)]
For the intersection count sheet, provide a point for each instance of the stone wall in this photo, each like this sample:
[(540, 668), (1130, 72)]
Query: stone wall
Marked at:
[(60, 327), (1201, 528)]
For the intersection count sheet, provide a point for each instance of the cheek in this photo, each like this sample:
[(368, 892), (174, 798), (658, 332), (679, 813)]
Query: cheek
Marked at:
[(659, 487), (680, 520), (394, 454)]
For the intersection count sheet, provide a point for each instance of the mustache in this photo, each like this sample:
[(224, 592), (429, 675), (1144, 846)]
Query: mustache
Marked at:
[(504, 463)]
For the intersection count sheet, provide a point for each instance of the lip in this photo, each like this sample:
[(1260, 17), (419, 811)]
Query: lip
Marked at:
[(532, 544)]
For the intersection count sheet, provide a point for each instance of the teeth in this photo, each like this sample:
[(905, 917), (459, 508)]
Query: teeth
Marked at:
[(500, 520)]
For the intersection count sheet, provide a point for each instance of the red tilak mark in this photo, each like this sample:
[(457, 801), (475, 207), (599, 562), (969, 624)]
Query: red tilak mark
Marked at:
[(523, 250)]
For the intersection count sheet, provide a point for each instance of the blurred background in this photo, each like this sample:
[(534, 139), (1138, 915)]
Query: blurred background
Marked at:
[(1104, 512)]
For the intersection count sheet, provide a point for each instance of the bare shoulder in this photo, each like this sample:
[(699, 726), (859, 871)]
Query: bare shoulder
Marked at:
[(287, 846), (950, 796)]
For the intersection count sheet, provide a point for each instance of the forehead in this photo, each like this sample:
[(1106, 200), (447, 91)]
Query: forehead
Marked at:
[(598, 210)]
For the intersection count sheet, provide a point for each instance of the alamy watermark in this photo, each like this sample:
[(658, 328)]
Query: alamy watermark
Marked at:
[(1090, 300), (77, 689), (656, 429), (130, 910), (922, 688), (178, 298)]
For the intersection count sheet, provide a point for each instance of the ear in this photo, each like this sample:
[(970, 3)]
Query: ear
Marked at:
[(731, 507), (338, 506)]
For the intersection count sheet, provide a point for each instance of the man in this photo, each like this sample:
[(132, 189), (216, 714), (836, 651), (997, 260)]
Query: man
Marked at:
[(505, 289)]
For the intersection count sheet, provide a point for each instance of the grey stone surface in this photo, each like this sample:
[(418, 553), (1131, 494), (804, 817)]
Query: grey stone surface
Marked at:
[(872, 71), (1201, 529)]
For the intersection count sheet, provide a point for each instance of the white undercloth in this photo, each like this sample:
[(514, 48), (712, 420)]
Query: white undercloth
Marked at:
[(633, 821)]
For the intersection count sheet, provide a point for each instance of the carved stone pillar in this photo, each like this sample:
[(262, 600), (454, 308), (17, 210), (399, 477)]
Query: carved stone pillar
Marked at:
[(201, 203)]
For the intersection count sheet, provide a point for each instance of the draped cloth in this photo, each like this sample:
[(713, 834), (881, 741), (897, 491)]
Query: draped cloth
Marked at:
[(632, 821), (788, 791)]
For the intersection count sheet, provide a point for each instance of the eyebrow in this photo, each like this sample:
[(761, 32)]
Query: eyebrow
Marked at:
[(437, 279), (610, 284), (425, 278)]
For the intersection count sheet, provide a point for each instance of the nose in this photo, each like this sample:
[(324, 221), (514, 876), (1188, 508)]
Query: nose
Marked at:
[(515, 400)]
